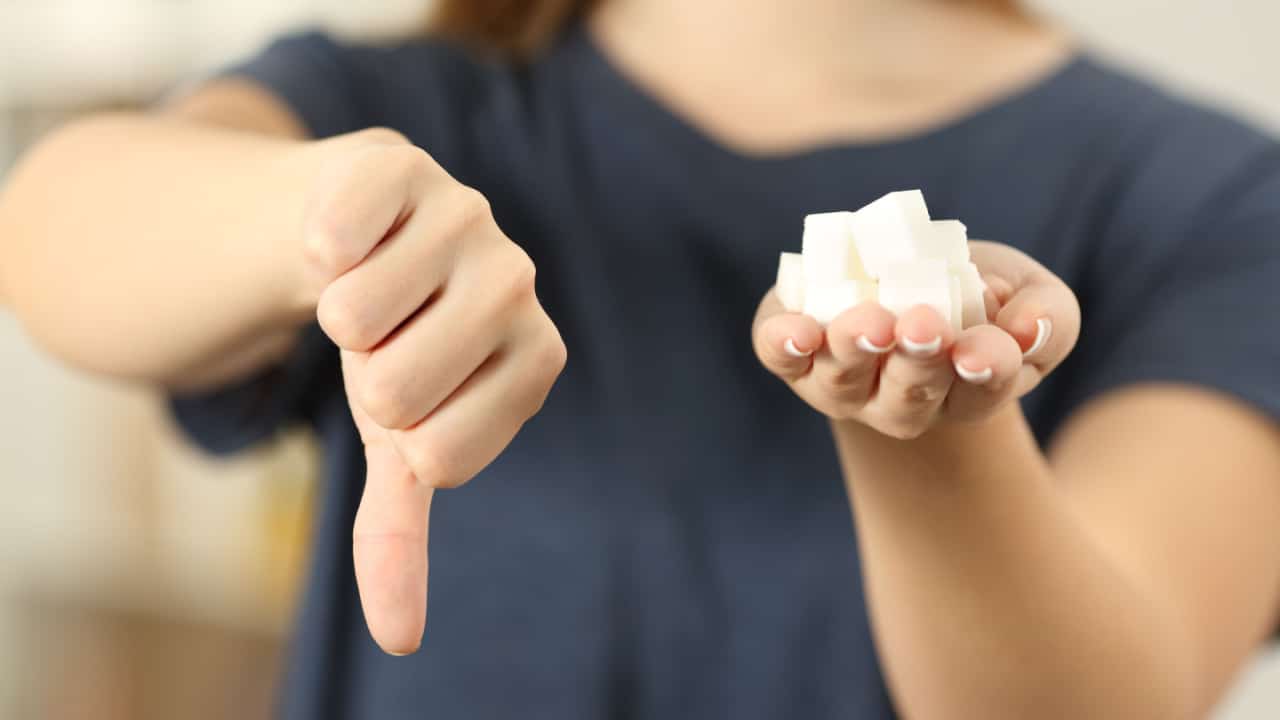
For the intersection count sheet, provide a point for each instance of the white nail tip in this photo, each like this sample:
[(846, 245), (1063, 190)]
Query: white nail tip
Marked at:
[(977, 378), (1044, 329), (922, 348), (792, 350), (865, 345)]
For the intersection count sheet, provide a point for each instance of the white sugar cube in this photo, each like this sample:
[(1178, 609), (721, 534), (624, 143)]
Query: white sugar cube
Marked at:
[(947, 239), (957, 302), (974, 306), (894, 228), (917, 261), (923, 281), (917, 272), (823, 303), (790, 286), (829, 254)]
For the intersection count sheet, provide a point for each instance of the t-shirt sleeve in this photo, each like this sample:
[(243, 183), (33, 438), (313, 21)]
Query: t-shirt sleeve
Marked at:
[(318, 79), (1184, 283), (242, 414)]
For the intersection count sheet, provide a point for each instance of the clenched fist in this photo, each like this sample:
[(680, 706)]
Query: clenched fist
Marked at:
[(446, 351)]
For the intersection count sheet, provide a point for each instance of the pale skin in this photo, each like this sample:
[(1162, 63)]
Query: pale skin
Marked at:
[(1125, 573)]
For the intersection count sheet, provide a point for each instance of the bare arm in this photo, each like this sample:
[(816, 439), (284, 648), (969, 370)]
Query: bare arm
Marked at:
[(1125, 575), (188, 249), (163, 247), (1127, 578)]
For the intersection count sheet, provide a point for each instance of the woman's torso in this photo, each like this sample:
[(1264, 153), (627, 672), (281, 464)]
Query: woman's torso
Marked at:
[(670, 536)]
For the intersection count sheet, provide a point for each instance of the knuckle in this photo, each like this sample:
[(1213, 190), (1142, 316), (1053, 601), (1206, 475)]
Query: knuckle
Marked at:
[(345, 322), (434, 465), (840, 383), (384, 397), (466, 208), (409, 161), (381, 136), (550, 361), (918, 395), (557, 355), (325, 239), (522, 274), (514, 276)]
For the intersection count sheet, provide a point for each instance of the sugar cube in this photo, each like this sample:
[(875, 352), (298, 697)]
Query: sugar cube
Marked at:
[(957, 303), (823, 303), (972, 302), (790, 285), (947, 239), (892, 229), (889, 251), (829, 254), (923, 281)]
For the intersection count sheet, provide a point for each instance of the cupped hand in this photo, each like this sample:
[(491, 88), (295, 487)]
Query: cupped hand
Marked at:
[(902, 375), (446, 351)]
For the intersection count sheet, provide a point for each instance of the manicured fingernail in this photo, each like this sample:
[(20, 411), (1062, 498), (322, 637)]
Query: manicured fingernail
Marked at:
[(978, 377), (865, 345), (1044, 329), (922, 349), (793, 351)]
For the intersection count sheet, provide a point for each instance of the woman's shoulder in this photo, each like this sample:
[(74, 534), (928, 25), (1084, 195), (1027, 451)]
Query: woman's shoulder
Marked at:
[(1143, 120), (395, 60), (424, 86)]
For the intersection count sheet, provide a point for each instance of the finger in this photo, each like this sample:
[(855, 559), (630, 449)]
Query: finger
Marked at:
[(357, 204), (847, 370), (468, 430), (389, 550), (915, 378), (784, 341), (436, 350), (1044, 319), (389, 540), (987, 361), (362, 307), (1029, 294)]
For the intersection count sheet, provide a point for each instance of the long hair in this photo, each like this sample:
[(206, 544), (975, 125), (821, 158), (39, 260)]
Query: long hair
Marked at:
[(514, 28), (520, 28)]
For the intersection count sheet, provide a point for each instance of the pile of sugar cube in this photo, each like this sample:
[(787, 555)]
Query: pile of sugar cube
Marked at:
[(889, 251)]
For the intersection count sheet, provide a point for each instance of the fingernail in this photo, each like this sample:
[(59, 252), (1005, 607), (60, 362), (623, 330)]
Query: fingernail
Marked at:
[(978, 377), (922, 349), (865, 345), (1044, 329), (793, 351)]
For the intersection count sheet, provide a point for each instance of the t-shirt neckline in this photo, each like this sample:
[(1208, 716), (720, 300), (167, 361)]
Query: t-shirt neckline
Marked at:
[(639, 103)]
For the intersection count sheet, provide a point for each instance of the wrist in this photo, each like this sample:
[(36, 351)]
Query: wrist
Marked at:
[(300, 286), (945, 432), (987, 448)]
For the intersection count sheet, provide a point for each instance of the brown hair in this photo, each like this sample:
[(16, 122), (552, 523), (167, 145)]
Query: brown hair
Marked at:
[(515, 28), (519, 28)]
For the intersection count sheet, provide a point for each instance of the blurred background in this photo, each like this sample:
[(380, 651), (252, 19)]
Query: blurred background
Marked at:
[(141, 580)]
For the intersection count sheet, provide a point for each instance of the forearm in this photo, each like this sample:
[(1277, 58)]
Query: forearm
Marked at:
[(988, 597), (155, 249)]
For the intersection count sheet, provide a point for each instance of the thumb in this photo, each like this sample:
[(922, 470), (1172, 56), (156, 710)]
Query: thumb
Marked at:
[(389, 541)]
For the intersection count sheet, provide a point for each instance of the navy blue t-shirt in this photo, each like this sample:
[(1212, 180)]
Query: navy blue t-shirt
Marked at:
[(670, 537)]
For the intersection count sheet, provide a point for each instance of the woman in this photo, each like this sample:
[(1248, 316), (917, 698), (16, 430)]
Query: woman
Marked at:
[(671, 536)]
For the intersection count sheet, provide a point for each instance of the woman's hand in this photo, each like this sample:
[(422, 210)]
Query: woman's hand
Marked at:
[(446, 351), (902, 375)]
